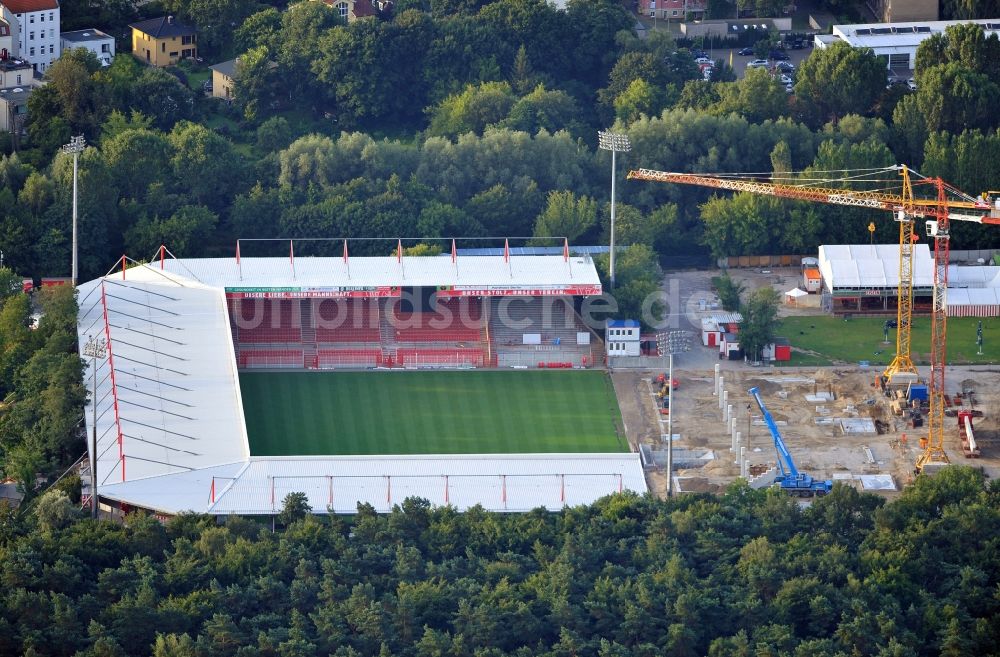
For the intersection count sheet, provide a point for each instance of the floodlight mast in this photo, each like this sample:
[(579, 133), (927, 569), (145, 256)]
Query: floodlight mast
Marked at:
[(75, 146), (616, 142)]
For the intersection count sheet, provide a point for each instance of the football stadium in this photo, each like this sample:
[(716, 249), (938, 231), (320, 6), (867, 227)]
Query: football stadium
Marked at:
[(220, 385)]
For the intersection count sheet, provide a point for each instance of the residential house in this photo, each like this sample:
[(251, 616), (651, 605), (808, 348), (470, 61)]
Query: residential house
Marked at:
[(163, 41), (14, 109), (678, 10), (352, 10), (222, 79), (97, 42), (15, 72), (35, 29)]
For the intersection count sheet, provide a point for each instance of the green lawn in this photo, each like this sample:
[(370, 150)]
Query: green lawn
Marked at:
[(327, 413), (832, 339)]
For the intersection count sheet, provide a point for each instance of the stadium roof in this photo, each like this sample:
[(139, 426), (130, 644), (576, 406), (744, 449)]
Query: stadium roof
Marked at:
[(857, 266), (518, 482), (319, 275), (171, 434)]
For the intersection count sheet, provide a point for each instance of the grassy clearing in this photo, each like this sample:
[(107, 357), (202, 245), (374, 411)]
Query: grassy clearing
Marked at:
[(328, 413), (835, 340)]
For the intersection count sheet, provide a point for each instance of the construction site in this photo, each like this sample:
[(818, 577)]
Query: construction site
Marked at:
[(804, 429), (835, 422)]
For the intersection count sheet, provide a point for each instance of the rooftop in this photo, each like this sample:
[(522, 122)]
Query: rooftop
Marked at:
[(16, 94), (472, 275), (13, 64), (27, 6), (888, 35), (83, 36), (227, 68), (164, 26)]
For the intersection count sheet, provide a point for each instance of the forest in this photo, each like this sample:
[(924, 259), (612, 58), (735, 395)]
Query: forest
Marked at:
[(746, 573), (471, 119)]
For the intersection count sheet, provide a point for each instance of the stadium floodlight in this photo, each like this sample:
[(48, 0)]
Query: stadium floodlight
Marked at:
[(673, 342), (95, 348), (615, 142), (74, 148)]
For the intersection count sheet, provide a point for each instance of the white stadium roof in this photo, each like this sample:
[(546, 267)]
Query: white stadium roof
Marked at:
[(170, 425), (322, 274)]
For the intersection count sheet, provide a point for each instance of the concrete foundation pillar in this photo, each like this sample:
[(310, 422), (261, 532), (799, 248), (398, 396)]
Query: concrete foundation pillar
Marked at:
[(743, 462), (729, 413), (715, 383), (722, 387)]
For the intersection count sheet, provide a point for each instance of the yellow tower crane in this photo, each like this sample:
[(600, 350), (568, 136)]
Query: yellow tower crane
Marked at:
[(938, 212)]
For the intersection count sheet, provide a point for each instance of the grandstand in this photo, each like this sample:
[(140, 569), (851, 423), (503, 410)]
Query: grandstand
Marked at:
[(184, 335)]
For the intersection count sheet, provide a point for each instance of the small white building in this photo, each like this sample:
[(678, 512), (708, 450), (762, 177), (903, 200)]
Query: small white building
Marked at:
[(622, 337), (97, 42), (37, 34), (896, 42), (714, 326)]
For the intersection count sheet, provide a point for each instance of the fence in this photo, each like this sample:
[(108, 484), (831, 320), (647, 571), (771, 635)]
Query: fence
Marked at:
[(531, 359), (761, 261), (638, 362)]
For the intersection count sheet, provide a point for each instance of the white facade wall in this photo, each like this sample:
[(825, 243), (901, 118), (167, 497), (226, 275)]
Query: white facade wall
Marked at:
[(102, 45), (38, 38)]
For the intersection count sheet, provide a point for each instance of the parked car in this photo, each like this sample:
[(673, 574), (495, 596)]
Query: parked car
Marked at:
[(912, 84), (702, 60), (699, 53), (785, 67), (785, 80), (745, 52), (758, 63), (789, 88), (778, 55)]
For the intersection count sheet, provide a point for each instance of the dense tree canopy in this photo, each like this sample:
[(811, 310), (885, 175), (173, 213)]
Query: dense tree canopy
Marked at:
[(485, 110), (746, 573)]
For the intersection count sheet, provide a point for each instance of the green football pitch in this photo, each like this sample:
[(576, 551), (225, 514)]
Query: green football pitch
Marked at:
[(430, 412)]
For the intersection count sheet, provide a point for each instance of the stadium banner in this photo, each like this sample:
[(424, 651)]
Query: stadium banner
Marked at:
[(333, 292), (516, 291)]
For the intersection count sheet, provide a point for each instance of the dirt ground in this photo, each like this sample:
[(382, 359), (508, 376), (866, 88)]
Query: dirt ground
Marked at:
[(822, 450)]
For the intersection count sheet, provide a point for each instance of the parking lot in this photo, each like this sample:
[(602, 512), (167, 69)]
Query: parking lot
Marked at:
[(740, 62)]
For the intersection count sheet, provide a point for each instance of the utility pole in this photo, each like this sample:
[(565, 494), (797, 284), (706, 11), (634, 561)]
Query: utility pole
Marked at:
[(75, 147), (615, 142), (95, 349), (670, 427)]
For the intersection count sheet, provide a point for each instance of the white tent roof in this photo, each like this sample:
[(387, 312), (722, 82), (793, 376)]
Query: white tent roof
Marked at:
[(854, 266), (978, 276), (981, 296), (796, 293)]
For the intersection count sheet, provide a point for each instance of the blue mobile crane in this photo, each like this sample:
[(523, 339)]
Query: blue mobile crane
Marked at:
[(790, 479)]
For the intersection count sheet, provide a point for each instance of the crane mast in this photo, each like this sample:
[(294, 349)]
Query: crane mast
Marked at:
[(938, 212)]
